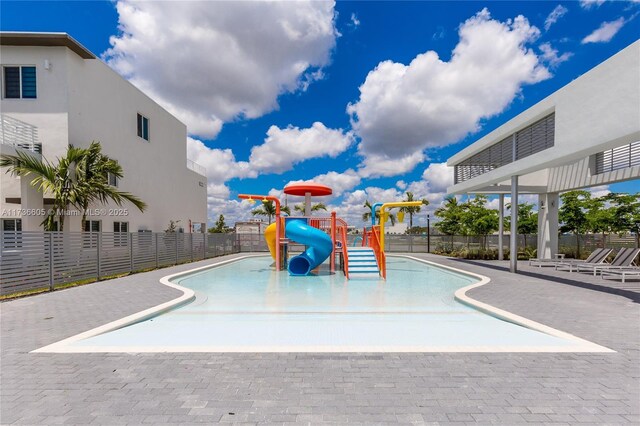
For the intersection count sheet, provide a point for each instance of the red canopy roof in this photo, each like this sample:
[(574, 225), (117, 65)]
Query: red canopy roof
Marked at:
[(314, 189)]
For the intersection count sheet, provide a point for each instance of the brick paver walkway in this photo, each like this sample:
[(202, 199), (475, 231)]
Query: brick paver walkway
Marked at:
[(449, 388)]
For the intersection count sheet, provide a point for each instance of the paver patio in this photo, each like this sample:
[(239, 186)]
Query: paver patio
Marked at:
[(439, 388)]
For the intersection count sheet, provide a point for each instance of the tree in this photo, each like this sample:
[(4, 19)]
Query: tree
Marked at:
[(411, 210), (599, 217), (314, 207), (268, 209), (450, 215), (572, 214), (527, 220), (219, 227), (173, 226), (58, 180), (478, 220), (92, 181), (77, 179), (625, 213), (366, 217)]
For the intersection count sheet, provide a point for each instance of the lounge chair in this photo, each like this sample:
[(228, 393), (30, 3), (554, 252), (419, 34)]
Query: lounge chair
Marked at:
[(597, 259), (624, 259), (622, 273), (554, 262)]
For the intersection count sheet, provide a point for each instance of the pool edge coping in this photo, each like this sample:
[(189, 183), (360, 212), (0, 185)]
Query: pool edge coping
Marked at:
[(63, 346), (188, 296), (461, 296)]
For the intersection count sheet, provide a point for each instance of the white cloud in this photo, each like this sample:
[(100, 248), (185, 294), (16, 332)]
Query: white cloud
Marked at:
[(558, 12), (599, 191), (404, 109), (439, 176), (285, 147), (221, 164), (375, 165), (402, 185), (354, 20), (605, 32), (588, 4), (338, 182), (222, 60), (551, 56)]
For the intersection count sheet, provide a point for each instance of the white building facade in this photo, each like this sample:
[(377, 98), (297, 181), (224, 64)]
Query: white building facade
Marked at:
[(585, 134), (56, 93)]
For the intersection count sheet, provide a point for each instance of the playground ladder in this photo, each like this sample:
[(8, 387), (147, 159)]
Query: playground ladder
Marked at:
[(362, 263)]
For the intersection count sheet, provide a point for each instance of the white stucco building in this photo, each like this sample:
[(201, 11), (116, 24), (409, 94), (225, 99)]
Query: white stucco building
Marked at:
[(54, 93), (585, 134)]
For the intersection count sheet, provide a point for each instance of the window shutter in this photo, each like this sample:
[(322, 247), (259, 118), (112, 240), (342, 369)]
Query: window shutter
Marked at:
[(29, 82), (12, 82)]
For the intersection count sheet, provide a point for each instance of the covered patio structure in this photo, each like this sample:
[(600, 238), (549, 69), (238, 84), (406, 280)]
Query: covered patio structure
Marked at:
[(585, 134)]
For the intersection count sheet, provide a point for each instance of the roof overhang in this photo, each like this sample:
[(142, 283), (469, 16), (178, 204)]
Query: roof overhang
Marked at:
[(594, 113), (45, 39)]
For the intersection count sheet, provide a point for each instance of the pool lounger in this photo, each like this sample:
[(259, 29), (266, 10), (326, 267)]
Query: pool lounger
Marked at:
[(624, 259), (596, 258), (623, 273), (596, 254)]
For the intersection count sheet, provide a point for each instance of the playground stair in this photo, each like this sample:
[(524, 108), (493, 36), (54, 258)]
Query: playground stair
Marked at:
[(362, 263)]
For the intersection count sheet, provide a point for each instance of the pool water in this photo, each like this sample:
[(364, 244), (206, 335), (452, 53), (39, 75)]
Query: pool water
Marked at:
[(248, 306)]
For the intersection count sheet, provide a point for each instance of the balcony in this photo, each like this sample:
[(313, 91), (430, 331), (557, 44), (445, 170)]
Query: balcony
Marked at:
[(19, 134), (192, 165)]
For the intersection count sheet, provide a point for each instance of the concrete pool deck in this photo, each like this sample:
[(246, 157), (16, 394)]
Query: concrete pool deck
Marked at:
[(411, 388)]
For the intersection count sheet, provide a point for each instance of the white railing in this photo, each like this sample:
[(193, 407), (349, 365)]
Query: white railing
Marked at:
[(19, 134), (192, 165)]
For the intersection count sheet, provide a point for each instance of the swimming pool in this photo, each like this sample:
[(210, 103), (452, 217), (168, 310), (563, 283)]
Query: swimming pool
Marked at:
[(246, 306)]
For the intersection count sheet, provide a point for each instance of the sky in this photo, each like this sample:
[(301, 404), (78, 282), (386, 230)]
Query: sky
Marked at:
[(369, 98)]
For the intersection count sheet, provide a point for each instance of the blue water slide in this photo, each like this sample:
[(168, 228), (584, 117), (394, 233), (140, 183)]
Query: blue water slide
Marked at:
[(319, 246)]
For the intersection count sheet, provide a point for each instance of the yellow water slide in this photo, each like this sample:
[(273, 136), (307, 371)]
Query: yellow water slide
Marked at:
[(270, 237)]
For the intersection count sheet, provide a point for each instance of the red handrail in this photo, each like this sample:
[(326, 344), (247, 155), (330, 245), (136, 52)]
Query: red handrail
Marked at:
[(374, 243), (345, 252)]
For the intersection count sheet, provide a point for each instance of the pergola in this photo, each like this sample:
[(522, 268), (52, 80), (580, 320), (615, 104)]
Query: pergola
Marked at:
[(585, 134)]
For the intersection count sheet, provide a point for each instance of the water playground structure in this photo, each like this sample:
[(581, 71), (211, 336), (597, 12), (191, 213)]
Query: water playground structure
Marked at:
[(325, 237)]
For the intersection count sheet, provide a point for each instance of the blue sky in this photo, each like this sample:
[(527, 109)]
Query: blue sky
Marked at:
[(342, 93)]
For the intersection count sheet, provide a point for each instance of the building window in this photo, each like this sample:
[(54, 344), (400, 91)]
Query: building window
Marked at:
[(528, 141), (20, 82), (112, 179), (121, 234), (143, 127), (91, 226), (12, 225), (618, 158), (90, 239), (120, 226), (11, 233)]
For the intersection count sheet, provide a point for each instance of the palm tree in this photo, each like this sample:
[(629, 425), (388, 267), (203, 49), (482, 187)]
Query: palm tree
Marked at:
[(366, 217), (92, 175), (268, 209), (314, 208), (79, 179), (58, 180), (411, 210)]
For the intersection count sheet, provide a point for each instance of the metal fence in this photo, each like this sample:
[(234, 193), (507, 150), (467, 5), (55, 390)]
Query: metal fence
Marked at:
[(35, 260)]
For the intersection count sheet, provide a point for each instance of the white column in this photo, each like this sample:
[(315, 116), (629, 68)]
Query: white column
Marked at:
[(31, 201), (501, 228), (513, 246), (307, 204), (547, 225)]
